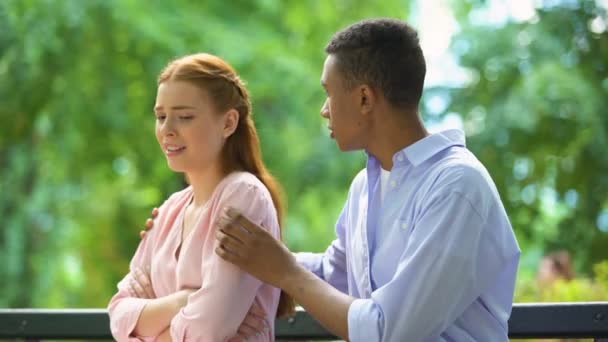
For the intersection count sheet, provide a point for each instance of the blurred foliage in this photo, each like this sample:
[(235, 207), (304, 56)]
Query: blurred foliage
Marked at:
[(80, 169), (534, 109), (582, 289)]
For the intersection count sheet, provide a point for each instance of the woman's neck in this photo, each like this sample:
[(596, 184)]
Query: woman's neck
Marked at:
[(203, 184)]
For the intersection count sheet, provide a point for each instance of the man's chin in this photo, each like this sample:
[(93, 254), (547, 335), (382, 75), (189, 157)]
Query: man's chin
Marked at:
[(347, 147)]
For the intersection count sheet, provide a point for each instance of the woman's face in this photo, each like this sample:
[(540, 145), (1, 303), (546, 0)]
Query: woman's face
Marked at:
[(190, 131)]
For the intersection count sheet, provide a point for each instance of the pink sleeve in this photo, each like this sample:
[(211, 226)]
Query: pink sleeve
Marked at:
[(215, 312), (123, 309)]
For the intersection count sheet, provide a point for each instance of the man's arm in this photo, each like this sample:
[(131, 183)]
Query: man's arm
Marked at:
[(453, 255), (276, 265), (321, 300)]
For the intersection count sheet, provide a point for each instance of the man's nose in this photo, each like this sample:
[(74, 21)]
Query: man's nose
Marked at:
[(325, 110)]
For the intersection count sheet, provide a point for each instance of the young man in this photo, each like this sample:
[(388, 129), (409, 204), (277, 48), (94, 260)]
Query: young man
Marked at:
[(424, 248)]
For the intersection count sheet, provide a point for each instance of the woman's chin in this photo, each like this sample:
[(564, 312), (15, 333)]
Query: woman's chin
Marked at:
[(176, 167)]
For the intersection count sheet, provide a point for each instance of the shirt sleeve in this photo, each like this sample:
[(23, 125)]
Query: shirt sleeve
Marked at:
[(215, 311), (331, 265), (124, 310), (452, 257)]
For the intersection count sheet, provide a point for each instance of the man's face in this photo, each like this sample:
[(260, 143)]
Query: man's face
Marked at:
[(343, 109)]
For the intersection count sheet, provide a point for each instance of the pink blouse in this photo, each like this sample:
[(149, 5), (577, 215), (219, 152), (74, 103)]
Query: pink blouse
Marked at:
[(215, 311)]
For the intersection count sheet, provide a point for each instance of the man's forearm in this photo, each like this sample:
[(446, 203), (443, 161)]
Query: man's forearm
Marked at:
[(321, 300), (158, 313)]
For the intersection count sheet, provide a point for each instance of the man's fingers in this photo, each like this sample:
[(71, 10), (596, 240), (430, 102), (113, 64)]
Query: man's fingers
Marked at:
[(232, 229), (231, 246), (149, 222), (228, 255), (225, 238), (241, 220)]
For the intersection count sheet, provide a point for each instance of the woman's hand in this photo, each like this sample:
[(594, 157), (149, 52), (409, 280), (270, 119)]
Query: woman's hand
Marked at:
[(254, 324), (140, 285)]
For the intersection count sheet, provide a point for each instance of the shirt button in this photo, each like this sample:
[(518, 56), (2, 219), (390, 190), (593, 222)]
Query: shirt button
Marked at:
[(400, 158), (403, 226), (393, 184)]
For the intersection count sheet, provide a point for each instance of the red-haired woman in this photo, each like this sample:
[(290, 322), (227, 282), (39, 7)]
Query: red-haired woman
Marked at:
[(177, 288)]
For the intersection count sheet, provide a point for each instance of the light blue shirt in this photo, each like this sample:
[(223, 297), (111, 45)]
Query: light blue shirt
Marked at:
[(438, 260)]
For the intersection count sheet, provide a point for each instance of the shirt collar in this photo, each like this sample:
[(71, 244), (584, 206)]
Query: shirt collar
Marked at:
[(424, 149)]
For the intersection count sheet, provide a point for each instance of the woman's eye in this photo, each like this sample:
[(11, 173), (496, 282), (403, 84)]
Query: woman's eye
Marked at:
[(186, 117), (160, 117)]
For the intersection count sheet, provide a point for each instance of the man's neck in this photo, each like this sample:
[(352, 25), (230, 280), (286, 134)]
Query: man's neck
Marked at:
[(392, 132)]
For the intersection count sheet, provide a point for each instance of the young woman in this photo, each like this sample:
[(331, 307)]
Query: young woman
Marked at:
[(178, 289)]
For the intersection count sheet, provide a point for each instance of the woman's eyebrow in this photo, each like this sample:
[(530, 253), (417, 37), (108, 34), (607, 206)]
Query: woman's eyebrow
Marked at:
[(157, 108)]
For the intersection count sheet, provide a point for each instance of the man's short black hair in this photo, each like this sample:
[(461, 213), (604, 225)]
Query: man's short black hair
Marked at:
[(385, 54)]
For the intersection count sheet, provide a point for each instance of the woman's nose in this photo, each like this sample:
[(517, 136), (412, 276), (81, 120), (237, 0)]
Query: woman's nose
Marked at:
[(167, 128)]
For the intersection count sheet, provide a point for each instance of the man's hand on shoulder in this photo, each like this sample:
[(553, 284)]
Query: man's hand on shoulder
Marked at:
[(149, 223)]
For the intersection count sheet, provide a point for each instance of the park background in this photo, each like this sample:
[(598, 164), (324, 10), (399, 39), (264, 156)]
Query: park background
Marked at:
[(80, 169)]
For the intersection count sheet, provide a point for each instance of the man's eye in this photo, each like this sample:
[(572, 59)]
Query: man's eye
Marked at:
[(186, 117), (160, 117)]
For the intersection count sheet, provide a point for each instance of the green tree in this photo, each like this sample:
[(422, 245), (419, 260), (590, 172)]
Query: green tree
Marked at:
[(79, 166)]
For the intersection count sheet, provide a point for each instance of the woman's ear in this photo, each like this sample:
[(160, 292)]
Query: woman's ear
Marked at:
[(231, 121)]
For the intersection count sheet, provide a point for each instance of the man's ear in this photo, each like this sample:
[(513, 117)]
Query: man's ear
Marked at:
[(231, 122), (367, 98)]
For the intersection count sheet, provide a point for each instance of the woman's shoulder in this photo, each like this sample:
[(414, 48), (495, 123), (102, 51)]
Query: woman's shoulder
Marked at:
[(169, 212), (178, 197), (246, 184), (174, 204), (243, 179), (247, 194)]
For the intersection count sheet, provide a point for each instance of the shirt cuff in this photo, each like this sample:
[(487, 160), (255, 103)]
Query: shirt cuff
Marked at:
[(179, 327), (125, 319), (365, 321)]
